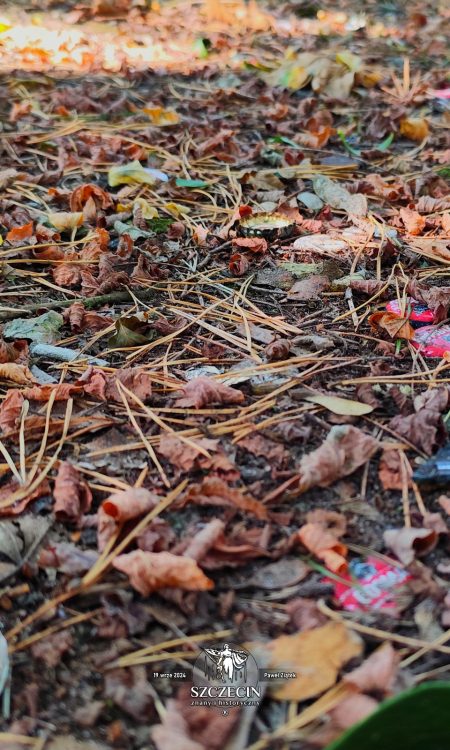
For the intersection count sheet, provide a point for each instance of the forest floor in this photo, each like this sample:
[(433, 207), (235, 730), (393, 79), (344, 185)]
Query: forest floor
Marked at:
[(212, 430)]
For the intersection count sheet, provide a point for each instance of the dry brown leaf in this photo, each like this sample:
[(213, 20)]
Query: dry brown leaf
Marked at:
[(72, 495), (345, 450), (320, 243), (390, 471), (19, 374), (309, 288), (150, 571), (397, 328), (424, 429), (214, 491), (315, 656), (413, 221), (408, 543), (184, 455), (188, 727), (14, 351), (81, 319), (202, 542), (11, 487), (129, 504), (83, 193), (253, 244), (437, 298), (104, 387), (203, 391), (377, 672), (67, 558), (62, 391)]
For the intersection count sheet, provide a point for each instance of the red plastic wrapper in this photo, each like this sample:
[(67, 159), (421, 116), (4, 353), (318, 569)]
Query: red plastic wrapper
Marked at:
[(371, 585), (432, 341), (417, 313)]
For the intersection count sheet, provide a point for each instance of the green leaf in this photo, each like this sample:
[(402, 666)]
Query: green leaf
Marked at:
[(416, 719), (284, 139), (130, 331), (134, 173), (160, 225), (384, 145), (42, 329), (347, 146), (201, 48), (181, 182)]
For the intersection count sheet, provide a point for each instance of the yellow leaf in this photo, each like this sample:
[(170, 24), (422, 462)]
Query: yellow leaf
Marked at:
[(414, 128), (351, 61), (160, 116), (296, 77), (62, 220), (134, 172), (343, 406), (316, 657), (19, 374), (176, 209), (147, 210)]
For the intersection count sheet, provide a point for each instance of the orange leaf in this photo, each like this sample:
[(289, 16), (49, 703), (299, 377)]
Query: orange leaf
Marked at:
[(397, 328), (20, 233), (17, 373), (413, 221), (324, 545), (150, 571), (315, 656), (82, 193)]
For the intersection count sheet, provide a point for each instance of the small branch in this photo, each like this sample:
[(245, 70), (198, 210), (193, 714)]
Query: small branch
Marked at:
[(90, 303)]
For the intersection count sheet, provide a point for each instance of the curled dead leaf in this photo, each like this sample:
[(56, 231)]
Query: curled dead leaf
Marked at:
[(345, 450), (129, 504), (325, 546), (408, 543), (72, 495), (377, 672), (150, 571), (19, 374)]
